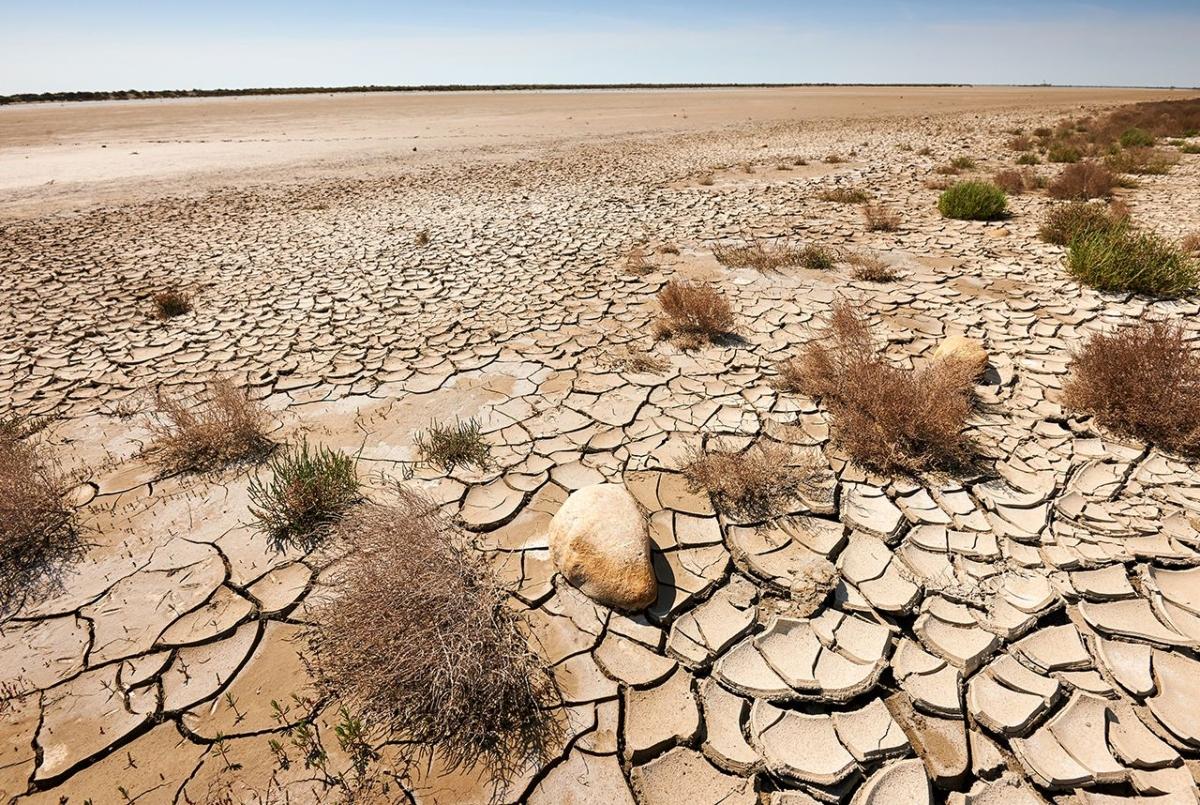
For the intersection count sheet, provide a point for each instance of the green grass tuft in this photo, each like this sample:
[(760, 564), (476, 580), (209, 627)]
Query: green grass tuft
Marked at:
[(1119, 259), (973, 201), (308, 490), (450, 446)]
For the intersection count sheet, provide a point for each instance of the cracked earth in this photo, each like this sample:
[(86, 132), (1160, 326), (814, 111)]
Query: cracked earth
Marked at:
[(1024, 635)]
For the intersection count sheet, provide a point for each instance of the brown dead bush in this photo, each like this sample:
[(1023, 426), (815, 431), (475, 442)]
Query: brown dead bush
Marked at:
[(845, 195), (1191, 243), (1083, 181), (693, 313), (419, 638), (171, 302), (218, 427), (869, 268), (637, 263), (887, 418), (880, 218), (1010, 181), (38, 532), (756, 484), (1143, 381)]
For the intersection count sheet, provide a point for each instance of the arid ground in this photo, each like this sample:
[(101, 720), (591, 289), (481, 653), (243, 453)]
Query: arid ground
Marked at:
[(1024, 632)]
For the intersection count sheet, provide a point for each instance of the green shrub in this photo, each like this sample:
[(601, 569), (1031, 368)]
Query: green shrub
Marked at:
[(450, 446), (973, 201), (1028, 158), (308, 490), (1118, 259), (962, 163), (1061, 152), (1190, 148), (1065, 222), (1133, 137)]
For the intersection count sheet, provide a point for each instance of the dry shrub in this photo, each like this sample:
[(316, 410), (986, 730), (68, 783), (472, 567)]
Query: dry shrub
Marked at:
[(870, 268), (668, 248), (706, 180), (634, 359), (637, 263), (1083, 181), (37, 526), (1019, 143), (1143, 161), (886, 418), (1063, 153), (421, 641), (216, 428), (880, 218), (834, 159), (422, 237), (1065, 222), (1010, 181), (1142, 380), (845, 195), (757, 484), (1191, 243), (693, 313), (171, 302)]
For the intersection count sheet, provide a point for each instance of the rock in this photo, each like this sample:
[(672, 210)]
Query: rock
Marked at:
[(598, 541), (960, 348)]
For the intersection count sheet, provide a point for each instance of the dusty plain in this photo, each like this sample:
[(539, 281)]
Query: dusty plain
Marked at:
[(1024, 636)]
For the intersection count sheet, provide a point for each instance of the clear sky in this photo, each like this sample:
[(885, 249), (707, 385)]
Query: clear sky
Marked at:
[(57, 45)]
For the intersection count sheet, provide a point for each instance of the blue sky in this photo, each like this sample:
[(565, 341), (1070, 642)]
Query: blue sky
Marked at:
[(56, 46)]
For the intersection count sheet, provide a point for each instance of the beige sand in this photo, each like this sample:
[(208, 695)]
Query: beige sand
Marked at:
[(70, 154)]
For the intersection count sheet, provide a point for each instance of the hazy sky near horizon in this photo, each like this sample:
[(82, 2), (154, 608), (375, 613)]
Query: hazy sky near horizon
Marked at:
[(57, 45)]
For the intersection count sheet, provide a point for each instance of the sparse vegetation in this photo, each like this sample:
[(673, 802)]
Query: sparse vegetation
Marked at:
[(706, 180), (1019, 142), (1061, 152), (756, 484), (457, 445), (880, 218), (308, 489), (1122, 260), (834, 159), (1143, 161), (887, 418), (1143, 381), (1191, 243), (218, 427), (693, 314), (637, 263), (420, 639), (171, 302), (422, 237), (38, 532), (845, 195), (869, 268), (1082, 181), (1065, 222), (973, 201), (1028, 158), (1010, 181), (1134, 137)]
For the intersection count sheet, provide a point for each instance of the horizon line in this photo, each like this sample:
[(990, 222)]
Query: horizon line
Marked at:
[(136, 94)]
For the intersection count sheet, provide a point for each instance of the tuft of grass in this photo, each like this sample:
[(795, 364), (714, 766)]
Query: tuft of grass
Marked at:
[(1028, 158), (756, 484), (834, 159), (973, 201), (171, 302), (1122, 260), (1063, 153), (307, 491), (962, 163), (637, 263), (1065, 222), (880, 218), (1010, 181), (869, 268), (1190, 148), (422, 237), (1143, 161), (1082, 181), (633, 359), (1019, 142), (457, 445), (1143, 381), (887, 418), (38, 530), (1135, 138), (693, 314), (219, 427), (845, 195), (1191, 243), (421, 639)]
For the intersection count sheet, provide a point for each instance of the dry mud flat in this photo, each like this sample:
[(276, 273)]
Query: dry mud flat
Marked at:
[(1026, 635)]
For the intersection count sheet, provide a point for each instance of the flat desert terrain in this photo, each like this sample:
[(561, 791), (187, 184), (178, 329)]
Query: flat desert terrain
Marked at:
[(1023, 627)]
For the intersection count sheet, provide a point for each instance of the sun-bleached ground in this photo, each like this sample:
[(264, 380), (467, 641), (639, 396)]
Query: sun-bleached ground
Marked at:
[(1029, 632)]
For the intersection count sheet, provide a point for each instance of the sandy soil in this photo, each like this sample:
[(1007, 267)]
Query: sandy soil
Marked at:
[(1024, 633), (71, 154)]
